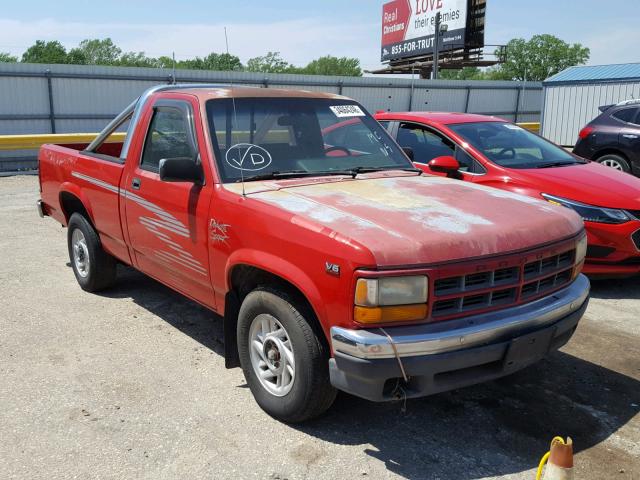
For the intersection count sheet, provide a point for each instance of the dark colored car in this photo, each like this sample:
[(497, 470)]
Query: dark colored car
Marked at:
[(613, 137)]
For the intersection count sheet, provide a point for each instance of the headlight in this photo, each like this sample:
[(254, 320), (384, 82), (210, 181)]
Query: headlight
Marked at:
[(391, 299), (581, 250), (581, 253), (590, 213)]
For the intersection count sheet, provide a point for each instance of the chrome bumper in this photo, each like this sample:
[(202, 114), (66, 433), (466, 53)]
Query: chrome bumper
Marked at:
[(441, 337), (40, 207)]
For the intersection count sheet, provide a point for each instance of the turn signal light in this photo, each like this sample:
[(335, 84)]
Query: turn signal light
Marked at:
[(396, 313)]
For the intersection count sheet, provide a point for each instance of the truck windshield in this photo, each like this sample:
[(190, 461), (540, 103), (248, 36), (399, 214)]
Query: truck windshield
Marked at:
[(293, 136), (511, 146)]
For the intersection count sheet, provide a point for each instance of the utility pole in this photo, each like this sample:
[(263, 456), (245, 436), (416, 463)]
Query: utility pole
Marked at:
[(436, 48), (440, 29)]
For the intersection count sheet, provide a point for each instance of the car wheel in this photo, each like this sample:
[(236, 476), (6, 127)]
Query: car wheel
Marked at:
[(615, 161), (94, 268), (283, 357)]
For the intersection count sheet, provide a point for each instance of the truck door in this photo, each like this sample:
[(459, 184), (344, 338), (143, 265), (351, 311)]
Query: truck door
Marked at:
[(167, 221)]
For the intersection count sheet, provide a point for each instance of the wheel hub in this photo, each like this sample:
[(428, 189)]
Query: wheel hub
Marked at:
[(272, 354)]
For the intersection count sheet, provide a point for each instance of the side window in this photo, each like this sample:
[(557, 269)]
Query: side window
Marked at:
[(425, 144), (168, 137), (627, 115), (467, 162), (385, 124)]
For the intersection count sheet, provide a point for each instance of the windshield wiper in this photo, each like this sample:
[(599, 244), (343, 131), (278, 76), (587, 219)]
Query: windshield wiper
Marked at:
[(352, 172), (557, 164), (293, 174), (356, 170)]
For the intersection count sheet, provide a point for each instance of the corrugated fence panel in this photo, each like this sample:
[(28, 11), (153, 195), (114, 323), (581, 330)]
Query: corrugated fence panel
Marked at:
[(569, 107), (499, 101), (91, 96), (86, 97), (23, 96), (379, 98), (439, 100)]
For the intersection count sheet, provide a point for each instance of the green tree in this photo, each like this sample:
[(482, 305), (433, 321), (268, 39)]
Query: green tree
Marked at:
[(7, 58), (539, 58), (45, 52), (330, 65), (213, 61), (96, 52), (272, 62), (136, 59), (466, 73)]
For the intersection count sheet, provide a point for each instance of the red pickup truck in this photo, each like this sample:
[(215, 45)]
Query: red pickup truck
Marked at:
[(335, 265)]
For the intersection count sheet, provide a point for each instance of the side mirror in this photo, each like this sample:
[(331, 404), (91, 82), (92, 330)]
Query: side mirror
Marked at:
[(408, 151), (181, 169), (445, 164)]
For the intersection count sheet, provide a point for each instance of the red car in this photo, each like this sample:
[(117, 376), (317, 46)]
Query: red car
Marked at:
[(493, 152)]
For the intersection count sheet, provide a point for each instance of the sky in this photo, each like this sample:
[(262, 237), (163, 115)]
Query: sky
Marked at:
[(301, 30)]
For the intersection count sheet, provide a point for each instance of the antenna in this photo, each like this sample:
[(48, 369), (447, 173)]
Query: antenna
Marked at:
[(173, 56), (235, 114)]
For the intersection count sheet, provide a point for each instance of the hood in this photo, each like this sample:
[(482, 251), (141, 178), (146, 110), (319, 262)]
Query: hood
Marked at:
[(590, 183), (410, 220)]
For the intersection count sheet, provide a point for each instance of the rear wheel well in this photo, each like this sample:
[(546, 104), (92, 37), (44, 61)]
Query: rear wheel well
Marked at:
[(609, 151), (243, 280), (71, 204)]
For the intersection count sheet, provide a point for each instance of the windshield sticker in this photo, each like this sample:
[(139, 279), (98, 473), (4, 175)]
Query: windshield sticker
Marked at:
[(511, 126), (341, 111), (248, 157)]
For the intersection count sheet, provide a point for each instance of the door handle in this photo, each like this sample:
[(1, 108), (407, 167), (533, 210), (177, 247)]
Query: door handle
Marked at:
[(629, 135), (135, 184)]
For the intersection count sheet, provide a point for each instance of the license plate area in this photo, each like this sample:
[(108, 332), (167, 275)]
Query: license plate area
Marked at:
[(527, 349)]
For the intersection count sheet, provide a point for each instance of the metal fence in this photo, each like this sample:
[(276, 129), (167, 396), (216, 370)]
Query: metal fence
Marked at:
[(36, 98)]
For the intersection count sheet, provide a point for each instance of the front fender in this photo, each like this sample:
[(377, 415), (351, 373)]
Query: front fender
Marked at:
[(282, 268)]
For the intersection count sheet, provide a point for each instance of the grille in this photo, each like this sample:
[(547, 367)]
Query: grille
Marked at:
[(501, 287), (636, 239)]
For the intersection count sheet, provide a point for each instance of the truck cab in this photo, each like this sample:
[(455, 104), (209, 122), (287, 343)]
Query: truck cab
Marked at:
[(333, 261)]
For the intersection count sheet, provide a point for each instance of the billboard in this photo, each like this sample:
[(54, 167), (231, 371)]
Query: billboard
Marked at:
[(408, 27)]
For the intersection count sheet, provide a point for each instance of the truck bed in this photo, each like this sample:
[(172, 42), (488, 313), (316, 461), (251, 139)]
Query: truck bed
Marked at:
[(68, 175)]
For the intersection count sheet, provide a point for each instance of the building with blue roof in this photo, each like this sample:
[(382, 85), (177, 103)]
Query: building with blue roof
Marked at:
[(571, 98)]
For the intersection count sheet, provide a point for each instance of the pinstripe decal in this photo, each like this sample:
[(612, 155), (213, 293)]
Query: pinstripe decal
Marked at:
[(162, 224)]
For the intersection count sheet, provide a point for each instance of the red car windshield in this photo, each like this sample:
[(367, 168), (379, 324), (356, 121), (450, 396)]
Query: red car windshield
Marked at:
[(511, 146), (255, 138)]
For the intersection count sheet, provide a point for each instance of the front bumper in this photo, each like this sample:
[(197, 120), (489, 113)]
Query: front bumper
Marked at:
[(442, 356), (41, 211), (614, 250)]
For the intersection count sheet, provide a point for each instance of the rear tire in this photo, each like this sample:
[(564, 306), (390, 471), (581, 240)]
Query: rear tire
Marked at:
[(284, 359), (94, 268), (614, 161)]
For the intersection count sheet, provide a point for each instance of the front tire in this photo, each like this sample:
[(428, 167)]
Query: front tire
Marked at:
[(614, 161), (94, 268), (283, 357)]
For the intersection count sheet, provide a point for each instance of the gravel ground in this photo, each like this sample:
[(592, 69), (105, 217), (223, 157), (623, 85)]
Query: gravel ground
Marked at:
[(132, 384)]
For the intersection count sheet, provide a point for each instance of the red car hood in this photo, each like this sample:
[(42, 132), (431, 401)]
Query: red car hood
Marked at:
[(590, 183), (409, 220)]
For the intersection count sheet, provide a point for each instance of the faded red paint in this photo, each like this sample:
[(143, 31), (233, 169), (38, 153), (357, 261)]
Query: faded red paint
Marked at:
[(392, 222)]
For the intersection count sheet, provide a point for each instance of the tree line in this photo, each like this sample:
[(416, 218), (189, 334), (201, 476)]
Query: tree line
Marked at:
[(535, 59), (105, 52)]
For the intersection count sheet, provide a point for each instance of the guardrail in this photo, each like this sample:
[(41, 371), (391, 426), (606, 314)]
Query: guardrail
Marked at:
[(30, 142)]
